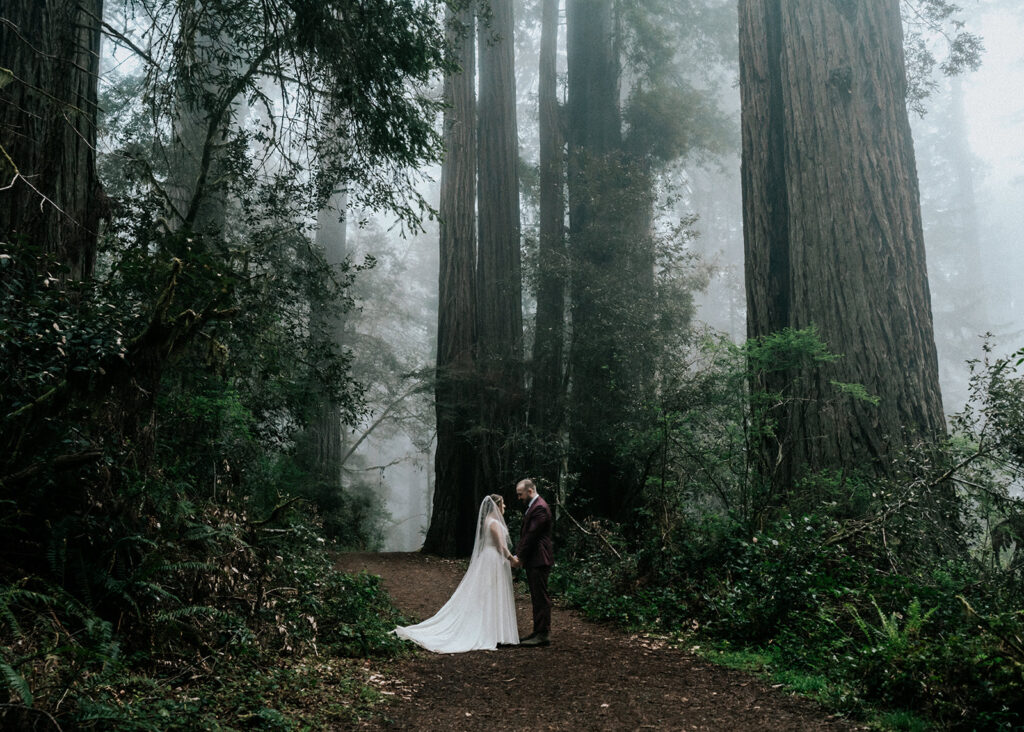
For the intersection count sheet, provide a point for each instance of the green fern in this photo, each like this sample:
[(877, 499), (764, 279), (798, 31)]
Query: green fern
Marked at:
[(6, 613), (11, 597), (193, 611), (894, 629), (17, 683), (171, 567)]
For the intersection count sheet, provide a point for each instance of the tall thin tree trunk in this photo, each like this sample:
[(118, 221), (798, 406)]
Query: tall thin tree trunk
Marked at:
[(499, 278), (323, 443), (197, 199), (832, 226), (453, 514), (973, 301), (51, 197), (950, 211), (547, 396)]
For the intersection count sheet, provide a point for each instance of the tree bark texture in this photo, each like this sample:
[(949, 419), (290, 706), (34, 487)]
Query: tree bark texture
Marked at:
[(547, 396), (832, 225), (49, 191), (499, 276), (453, 514)]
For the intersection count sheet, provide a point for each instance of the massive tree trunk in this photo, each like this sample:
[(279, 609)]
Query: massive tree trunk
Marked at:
[(832, 226), (598, 238), (595, 128), (51, 196), (499, 278), (548, 389), (453, 514)]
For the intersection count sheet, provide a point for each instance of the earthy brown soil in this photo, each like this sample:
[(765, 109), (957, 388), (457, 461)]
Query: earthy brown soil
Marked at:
[(591, 677)]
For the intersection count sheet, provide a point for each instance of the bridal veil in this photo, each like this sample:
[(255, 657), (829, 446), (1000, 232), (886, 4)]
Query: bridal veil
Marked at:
[(481, 612)]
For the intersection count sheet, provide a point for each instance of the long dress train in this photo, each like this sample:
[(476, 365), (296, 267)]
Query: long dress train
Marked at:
[(481, 613)]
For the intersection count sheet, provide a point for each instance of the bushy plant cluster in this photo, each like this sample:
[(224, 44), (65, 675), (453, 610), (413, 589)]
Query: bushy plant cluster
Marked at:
[(902, 594), (165, 561), (160, 567)]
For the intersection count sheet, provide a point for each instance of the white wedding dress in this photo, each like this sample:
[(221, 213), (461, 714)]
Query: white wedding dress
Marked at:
[(481, 613)]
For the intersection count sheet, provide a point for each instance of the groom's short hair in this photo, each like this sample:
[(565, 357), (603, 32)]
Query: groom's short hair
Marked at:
[(528, 484)]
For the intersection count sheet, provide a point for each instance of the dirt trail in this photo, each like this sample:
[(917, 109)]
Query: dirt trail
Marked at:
[(591, 677)]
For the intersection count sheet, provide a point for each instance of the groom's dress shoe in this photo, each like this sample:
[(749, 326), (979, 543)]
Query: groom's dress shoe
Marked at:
[(538, 639), (531, 635)]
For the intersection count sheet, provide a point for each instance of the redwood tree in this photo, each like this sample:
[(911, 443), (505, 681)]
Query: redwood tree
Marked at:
[(832, 226), (608, 195), (49, 191), (453, 515), (547, 392), (499, 278), (206, 82), (324, 437), (594, 134)]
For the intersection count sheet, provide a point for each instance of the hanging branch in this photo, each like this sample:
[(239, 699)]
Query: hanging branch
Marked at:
[(278, 509), (383, 415), (1013, 642), (596, 533), (61, 462), (164, 337), (853, 529)]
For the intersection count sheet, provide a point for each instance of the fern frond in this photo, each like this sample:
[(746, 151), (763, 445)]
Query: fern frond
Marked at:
[(193, 611), (17, 683)]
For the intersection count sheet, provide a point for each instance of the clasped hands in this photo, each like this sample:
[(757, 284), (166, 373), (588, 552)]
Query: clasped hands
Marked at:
[(514, 561)]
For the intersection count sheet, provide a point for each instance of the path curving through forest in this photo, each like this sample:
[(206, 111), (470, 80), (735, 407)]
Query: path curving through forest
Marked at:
[(592, 676)]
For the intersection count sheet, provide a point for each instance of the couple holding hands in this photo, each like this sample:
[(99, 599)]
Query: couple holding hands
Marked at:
[(481, 613)]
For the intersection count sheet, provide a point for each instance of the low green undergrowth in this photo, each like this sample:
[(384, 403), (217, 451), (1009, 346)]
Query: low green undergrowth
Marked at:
[(277, 643), (937, 645), (895, 596)]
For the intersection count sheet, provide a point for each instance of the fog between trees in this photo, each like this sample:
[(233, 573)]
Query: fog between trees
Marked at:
[(970, 162)]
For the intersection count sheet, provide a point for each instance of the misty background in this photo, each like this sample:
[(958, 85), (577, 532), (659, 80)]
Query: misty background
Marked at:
[(970, 158)]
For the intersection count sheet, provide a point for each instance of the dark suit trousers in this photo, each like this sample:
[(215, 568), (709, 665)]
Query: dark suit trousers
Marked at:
[(537, 579)]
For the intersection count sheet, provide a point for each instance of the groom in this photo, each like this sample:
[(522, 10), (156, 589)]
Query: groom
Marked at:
[(535, 552)]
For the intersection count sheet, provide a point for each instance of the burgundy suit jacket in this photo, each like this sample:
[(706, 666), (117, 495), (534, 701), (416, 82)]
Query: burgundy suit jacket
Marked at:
[(535, 548)]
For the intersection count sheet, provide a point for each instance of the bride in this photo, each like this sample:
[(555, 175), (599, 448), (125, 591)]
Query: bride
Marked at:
[(481, 613)]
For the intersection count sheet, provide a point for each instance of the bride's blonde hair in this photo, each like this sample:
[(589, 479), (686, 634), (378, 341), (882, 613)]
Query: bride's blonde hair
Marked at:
[(498, 500)]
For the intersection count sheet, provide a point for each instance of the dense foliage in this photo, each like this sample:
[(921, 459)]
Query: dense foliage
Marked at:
[(165, 561), (902, 595)]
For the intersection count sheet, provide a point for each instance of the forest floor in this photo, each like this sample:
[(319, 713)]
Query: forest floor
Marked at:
[(592, 676)]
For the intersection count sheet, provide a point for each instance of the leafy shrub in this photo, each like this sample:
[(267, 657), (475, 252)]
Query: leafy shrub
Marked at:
[(869, 592)]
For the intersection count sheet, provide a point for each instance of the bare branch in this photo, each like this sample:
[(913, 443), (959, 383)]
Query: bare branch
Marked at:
[(379, 420), (141, 52), (598, 534)]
